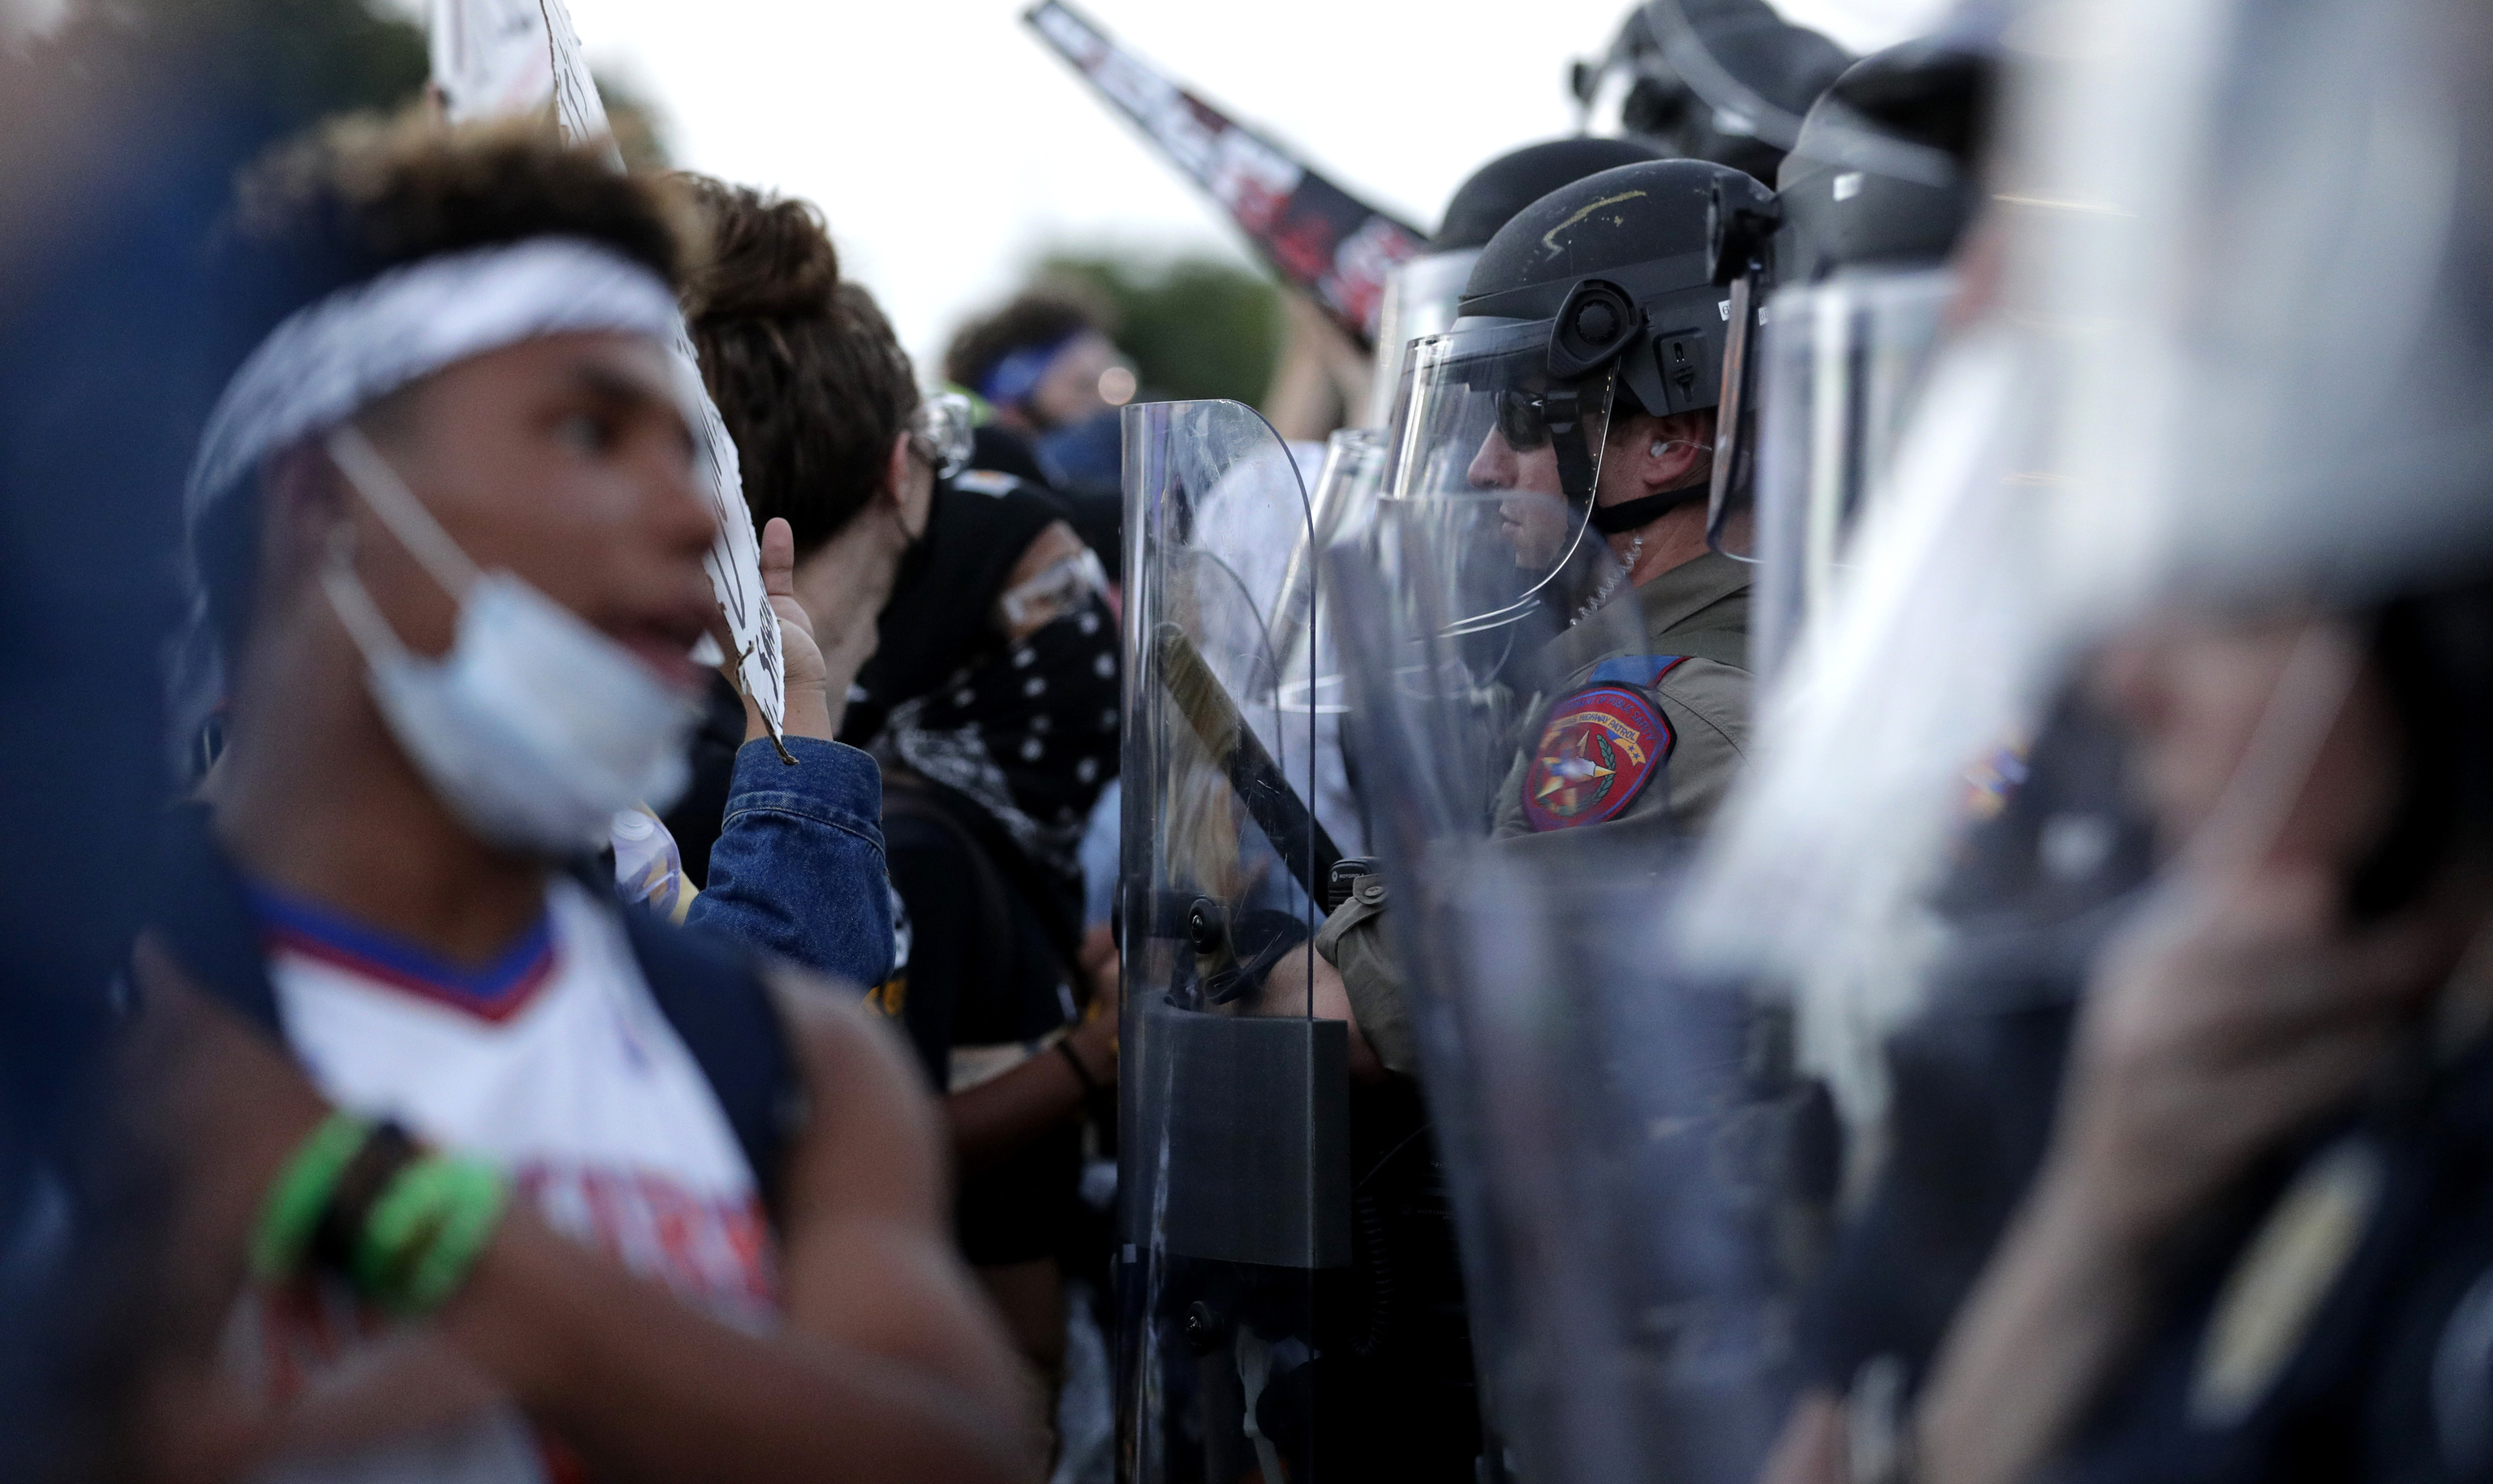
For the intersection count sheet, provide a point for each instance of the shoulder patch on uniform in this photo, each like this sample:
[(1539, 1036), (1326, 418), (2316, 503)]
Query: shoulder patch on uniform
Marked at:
[(1644, 670), (1596, 750)]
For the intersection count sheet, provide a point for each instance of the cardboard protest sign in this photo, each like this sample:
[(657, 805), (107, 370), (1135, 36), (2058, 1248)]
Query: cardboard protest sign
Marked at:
[(493, 58)]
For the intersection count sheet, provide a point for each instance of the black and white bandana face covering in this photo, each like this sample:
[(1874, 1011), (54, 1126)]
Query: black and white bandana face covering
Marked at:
[(1029, 731)]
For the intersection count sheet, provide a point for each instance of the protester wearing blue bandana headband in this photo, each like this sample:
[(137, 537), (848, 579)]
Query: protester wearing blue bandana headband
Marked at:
[(1047, 367)]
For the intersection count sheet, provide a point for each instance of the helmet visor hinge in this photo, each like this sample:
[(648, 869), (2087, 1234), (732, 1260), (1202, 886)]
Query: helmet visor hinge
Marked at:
[(1594, 327)]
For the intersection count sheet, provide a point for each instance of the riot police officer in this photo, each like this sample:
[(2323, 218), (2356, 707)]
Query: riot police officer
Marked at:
[(1554, 469), (2266, 1189), (2258, 1243), (1548, 683), (1874, 205)]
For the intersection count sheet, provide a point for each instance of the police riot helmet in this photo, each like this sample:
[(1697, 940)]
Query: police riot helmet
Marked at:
[(1599, 296), (1724, 80), (1496, 193), (1420, 295), (1615, 272), (1871, 203), (1884, 169)]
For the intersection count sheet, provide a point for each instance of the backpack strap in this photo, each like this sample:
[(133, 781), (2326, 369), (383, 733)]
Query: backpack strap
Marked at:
[(202, 912), (722, 1010)]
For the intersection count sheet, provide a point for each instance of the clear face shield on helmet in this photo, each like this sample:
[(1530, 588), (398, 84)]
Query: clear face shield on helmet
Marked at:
[(1498, 461), (1740, 232)]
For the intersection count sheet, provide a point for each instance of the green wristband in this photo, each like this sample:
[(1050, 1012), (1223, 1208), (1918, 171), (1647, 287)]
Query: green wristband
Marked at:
[(472, 1217), (426, 1232), (301, 1191)]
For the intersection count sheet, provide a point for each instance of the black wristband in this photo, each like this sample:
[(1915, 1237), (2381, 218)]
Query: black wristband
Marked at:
[(386, 1150)]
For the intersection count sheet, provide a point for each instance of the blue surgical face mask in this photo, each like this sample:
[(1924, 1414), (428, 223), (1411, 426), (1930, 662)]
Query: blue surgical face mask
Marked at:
[(534, 728)]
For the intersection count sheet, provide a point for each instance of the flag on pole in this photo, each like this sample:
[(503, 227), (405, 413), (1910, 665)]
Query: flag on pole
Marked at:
[(1312, 232)]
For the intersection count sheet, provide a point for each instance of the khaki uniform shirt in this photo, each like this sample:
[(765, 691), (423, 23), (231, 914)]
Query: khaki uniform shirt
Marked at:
[(1699, 609)]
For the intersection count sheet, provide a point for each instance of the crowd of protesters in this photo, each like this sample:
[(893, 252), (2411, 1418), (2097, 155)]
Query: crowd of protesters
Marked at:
[(461, 1028), (394, 1052)]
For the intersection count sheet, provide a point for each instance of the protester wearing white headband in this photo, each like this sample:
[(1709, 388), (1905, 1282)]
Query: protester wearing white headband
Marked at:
[(452, 547), (334, 357), (533, 727)]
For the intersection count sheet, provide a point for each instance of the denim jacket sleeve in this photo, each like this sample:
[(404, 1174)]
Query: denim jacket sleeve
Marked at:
[(799, 867)]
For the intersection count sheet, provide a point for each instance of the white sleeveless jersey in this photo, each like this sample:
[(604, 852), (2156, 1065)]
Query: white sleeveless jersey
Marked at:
[(555, 1063)]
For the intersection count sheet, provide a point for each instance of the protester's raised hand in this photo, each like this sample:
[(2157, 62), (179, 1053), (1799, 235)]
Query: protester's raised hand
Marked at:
[(810, 711)]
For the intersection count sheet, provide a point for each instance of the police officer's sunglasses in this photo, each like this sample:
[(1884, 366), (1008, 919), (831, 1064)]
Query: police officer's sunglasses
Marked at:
[(1523, 419)]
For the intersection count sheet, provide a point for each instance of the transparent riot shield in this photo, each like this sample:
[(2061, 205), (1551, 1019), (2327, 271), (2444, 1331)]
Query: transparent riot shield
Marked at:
[(1235, 1166), (1642, 1180), (1344, 500), (1840, 365)]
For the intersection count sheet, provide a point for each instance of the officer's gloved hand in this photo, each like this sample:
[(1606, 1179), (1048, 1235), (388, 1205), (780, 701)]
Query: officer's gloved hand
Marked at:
[(1254, 941)]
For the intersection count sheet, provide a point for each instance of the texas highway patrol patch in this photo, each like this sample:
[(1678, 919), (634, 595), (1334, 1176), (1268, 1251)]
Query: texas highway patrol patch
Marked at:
[(1596, 751)]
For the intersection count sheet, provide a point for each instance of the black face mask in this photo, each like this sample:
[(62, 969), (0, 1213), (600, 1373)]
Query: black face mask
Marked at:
[(936, 621), (1029, 731), (948, 697)]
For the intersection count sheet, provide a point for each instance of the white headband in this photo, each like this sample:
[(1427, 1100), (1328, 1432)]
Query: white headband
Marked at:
[(338, 355)]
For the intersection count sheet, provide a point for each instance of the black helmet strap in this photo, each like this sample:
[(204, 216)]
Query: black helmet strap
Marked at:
[(1644, 510), (1563, 415)]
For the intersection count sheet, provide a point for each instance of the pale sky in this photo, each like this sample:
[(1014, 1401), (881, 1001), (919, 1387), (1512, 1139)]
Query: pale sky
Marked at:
[(949, 148)]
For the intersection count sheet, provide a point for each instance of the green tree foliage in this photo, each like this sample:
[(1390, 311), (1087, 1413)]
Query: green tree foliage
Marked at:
[(304, 60), (299, 60), (1195, 326), (640, 128)]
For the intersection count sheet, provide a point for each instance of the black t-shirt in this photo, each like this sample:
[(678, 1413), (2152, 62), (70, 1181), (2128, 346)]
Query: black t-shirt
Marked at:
[(983, 970), (700, 816)]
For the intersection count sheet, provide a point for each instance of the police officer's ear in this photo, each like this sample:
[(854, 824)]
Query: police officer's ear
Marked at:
[(1665, 453)]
